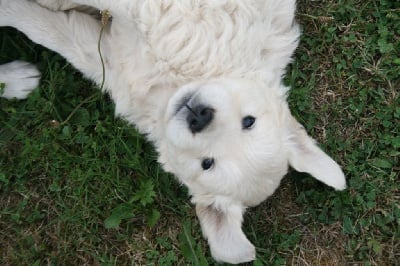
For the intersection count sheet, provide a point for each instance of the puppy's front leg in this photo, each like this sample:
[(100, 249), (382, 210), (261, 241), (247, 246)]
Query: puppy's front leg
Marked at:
[(74, 35), (223, 229)]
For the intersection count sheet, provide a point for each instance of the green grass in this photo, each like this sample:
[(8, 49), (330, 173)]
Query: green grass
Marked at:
[(86, 188)]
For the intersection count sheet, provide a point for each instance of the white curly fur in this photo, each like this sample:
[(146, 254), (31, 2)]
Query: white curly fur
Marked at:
[(160, 55)]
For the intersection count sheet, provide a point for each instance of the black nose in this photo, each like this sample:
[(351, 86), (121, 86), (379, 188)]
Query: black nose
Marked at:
[(199, 117)]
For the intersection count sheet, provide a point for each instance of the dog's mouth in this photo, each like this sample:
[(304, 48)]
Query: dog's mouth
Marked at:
[(197, 115), (184, 103), (187, 102)]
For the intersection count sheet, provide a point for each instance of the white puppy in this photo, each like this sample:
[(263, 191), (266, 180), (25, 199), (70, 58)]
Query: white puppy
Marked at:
[(202, 79)]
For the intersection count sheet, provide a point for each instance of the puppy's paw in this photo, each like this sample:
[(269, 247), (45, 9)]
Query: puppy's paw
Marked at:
[(222, 226), (234, 250), (20, 78)]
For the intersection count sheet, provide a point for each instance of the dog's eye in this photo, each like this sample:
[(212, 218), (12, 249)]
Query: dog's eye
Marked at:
[(207, 163), (248, 122)]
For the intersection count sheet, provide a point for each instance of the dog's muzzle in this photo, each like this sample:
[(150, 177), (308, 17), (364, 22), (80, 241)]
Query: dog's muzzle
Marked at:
[(199, 117)]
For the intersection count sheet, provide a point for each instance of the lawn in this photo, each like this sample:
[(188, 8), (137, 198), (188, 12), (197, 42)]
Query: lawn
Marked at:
[(79, 186)]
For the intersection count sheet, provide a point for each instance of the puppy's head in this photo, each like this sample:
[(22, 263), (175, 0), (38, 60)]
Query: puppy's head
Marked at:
[(235, 139)]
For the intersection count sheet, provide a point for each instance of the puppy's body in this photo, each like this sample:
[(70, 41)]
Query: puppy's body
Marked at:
[(168, 63)]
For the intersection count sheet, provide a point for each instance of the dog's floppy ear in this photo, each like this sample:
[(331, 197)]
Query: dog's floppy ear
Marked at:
[(306, 156)]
